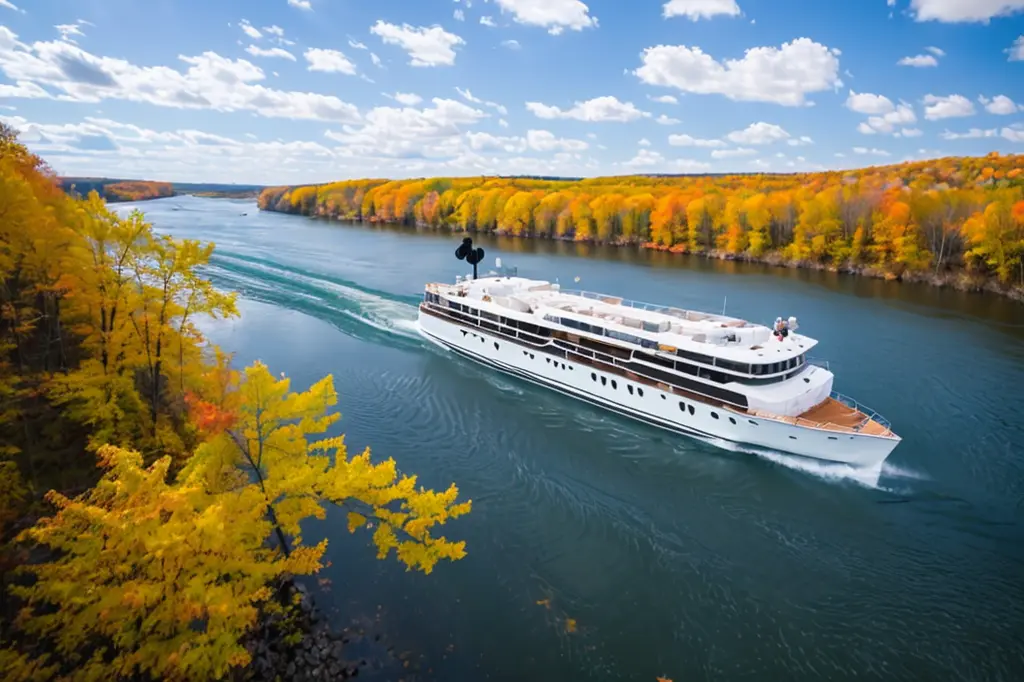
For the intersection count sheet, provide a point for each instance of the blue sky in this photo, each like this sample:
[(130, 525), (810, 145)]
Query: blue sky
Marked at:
[(292, 91)]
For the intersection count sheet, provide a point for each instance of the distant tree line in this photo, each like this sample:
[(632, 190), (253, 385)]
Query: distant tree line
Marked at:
[(937, 217)]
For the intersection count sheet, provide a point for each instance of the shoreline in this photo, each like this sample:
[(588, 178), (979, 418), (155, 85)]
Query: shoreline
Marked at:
[(958, 280)]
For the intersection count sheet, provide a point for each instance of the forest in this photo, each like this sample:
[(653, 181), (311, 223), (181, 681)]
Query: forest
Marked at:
[(151, 493), (118, 190), (953, 221)]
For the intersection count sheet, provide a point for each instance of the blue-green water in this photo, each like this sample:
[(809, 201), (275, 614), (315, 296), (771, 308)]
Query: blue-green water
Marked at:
[(670, 556)]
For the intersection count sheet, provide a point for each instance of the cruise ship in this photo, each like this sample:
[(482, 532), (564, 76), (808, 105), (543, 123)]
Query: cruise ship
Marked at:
[(709, 376)]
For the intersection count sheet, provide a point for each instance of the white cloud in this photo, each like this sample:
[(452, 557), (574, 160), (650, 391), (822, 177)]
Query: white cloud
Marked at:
[(427, 46), (867, 103), (510, 44), (666, 120), (270, 52), (801, 141), (209, 81), (687, 141), (956, 11), (1014, 133), (952, 106), (67, 31), (644, 142), (249, 30), (732, 153), (487, 21), (783, 75), (554, 15), (356, 45), (376, 60), (920, 61), (470, 97), (644, 159), (700, 9), (972, 134), (872, 151), (503, 123), (758, 133), (274, 30), (1016, 51), (329, 61), (10, 5), (301, 4), (1001, 105), (936, 51), (407, 98), (664, 99), (486, 142), (887, 123), (599, 109), (909, 132), (545, 141), (392, 132), (459, 15)]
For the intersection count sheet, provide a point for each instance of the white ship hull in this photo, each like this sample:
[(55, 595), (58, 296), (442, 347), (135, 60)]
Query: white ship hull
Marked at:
[(652, 405)]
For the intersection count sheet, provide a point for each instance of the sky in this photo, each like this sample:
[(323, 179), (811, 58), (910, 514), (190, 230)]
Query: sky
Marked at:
[(304, 91)]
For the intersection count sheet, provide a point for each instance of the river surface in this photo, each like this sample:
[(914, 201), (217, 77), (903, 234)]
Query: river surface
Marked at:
[(603, 549)]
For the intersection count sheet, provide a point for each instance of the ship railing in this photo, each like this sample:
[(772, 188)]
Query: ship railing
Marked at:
[(818, 362), (640, 305), (870, 415)]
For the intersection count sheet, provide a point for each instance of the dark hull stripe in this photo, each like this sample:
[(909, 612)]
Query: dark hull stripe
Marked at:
[(580, 394)]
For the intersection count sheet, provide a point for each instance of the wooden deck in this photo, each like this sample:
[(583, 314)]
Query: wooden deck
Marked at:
[(833, 415)]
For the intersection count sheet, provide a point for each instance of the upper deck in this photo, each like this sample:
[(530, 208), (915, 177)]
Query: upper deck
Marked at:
[(710, 338)]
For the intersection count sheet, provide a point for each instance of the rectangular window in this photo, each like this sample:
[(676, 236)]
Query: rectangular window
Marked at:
[(696, 357)]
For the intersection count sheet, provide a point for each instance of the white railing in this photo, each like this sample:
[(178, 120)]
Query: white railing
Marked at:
[(863, 409)]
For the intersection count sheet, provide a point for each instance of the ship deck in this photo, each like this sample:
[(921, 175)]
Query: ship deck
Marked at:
[(835, 415)]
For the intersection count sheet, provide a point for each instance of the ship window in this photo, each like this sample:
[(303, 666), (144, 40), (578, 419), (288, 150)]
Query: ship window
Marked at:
[(495, 346), (532, 356), (548, 360), (752, 422), (663, 397), (690, 408), (793, 437), (656, 360), (806, 380), (731, 420), (615, 385), (563, 365), (488, 316), (593, 376), (714, 415), (604, 381), (640, 391), (682, 407), (696, 357), (630, 388), (832, 438)]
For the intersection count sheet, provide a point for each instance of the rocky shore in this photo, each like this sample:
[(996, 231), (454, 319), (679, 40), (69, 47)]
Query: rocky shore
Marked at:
[(302, 645)]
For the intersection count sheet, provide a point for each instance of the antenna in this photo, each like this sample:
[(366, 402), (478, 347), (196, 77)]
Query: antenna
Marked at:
[(724, 304), (467, 253)]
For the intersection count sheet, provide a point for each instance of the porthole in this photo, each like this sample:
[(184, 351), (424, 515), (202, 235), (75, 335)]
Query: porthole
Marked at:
[(682, 407), (593, 375), (793, 437), (832, 438), (752, 422), (532, 356), (548, 360), (640, 391), (604, 381), (630, 388), (714, 415), (495, 346), (663, 397), (731, 420), (615, 385), (690, 408)]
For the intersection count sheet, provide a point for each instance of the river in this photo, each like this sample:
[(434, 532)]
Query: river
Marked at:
[(603, 549)]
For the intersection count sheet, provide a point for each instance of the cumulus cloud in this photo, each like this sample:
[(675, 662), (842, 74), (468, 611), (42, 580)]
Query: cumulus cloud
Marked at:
[(249, 30), (688, 141), (666, 120), (951, 106), (301, 4), (664, 99), (758, 133), (964, 11), (1016, 51), (867, 103), (427, 46), (784, 75), (510, 44), (887, 123), (920, 61), (732, 153), (406, 98), (872, 151), (329, 61), (599, 109), (1001, 105), (487, 21), (972, 134), (270, 52), (208, 81), (554, 15), (700, 9)]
